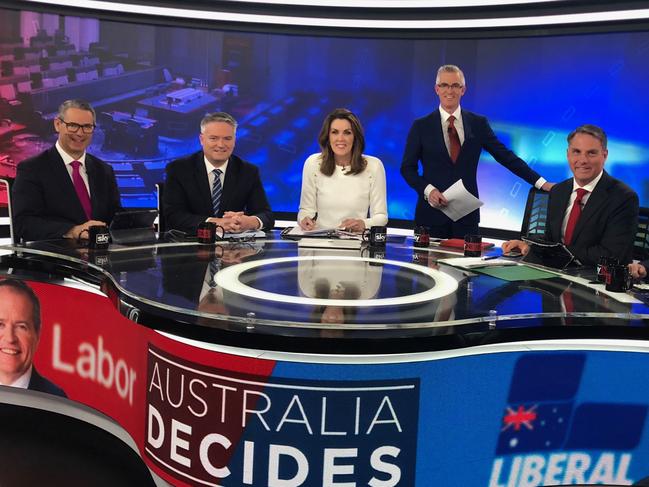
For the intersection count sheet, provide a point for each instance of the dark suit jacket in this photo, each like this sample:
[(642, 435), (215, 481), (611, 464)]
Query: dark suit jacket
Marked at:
[(426, 144), (188, 196), (41, 384), (607, 224), (45, 203)]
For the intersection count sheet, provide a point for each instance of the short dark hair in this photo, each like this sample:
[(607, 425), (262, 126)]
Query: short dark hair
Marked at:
[(592, 130), (21, 287), (76, 103), (218, 117)]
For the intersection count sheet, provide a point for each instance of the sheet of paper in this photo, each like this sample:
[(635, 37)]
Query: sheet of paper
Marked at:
[(324, 232), (516, 273), (471, 262), (460, 201), (247, 234), (296, 231)]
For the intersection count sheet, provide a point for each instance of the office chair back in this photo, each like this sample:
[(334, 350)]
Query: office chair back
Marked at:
[(160, 188), (536, 213), (641, 241), (7, 183)]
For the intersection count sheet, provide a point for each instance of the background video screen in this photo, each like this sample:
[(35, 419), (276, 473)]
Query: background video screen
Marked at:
[(152, 84)]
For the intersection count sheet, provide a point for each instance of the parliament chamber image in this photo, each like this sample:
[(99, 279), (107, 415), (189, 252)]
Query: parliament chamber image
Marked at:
[(295, 243)]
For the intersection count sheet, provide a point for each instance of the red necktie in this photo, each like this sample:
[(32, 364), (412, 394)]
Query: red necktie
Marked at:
[(453, 139), (80, 188), (575, 213)]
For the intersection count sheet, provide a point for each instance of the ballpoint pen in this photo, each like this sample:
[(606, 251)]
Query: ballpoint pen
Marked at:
[(491, 257)]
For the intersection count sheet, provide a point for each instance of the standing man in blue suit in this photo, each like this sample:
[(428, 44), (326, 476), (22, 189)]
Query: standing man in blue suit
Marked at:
[(448, 142)]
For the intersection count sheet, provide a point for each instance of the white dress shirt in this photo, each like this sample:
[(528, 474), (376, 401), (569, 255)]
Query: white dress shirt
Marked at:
[(23, 381)]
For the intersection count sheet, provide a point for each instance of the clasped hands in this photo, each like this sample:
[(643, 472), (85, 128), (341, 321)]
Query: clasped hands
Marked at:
[(236, 221)]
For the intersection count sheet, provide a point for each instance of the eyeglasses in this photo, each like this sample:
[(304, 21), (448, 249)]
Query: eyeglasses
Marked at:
[(446, 86), (73, 127)]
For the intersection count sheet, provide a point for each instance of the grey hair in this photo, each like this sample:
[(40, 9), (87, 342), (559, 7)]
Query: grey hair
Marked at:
[(592, 130), (218, 117), (449, 68), (75, 103), (23, 288)]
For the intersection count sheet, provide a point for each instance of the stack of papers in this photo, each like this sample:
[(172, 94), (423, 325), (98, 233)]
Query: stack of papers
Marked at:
[(322, 232), (247, 234)]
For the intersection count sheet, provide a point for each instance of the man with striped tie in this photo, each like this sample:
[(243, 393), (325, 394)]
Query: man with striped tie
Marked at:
[(214, 185)]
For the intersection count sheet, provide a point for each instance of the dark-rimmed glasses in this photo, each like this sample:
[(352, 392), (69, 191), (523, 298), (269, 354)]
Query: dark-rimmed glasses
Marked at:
[(73, 127), (446, 86)]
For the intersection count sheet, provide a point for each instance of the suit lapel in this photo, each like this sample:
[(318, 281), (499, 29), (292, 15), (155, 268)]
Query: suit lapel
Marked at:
[(558, 207), (202, 183), (468, 128), (229, 185), (96, 198)]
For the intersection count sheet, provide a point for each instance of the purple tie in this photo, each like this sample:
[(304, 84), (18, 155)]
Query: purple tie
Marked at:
[(80, 188)]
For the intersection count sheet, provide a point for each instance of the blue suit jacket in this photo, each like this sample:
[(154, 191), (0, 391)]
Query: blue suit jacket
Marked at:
[(425, 144), (45, 203), (188, 197), (607, 224)]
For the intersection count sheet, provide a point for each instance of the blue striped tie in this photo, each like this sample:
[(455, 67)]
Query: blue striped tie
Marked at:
[(217, 189), (215, 266)]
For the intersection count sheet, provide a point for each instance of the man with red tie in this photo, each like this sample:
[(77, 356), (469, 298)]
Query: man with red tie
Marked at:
[(592, 213), (448, 142), (64, 190)]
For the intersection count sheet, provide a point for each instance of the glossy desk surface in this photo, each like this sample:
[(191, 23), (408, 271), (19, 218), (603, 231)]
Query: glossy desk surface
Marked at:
[(276, 287)]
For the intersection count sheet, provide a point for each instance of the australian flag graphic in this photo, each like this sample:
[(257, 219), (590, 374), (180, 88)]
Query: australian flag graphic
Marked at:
[(542, 413)]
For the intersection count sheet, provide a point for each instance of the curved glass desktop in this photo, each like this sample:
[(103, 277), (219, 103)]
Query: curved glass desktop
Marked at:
[(269, 363), (279, 288)]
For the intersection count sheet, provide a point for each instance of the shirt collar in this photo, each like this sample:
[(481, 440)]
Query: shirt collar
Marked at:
[(23, 380), (457, 114), (209, 167), (590, 187), (67, 158)]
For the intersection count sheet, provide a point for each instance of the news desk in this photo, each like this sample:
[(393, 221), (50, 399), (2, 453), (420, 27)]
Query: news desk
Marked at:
[(268, 363)]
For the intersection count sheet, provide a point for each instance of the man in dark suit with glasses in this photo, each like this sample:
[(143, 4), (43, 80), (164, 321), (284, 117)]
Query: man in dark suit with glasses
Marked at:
[(64, 190)]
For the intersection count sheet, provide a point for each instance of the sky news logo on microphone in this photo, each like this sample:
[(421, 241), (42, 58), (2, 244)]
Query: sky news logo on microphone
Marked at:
[(547, 437), (218, 427)]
